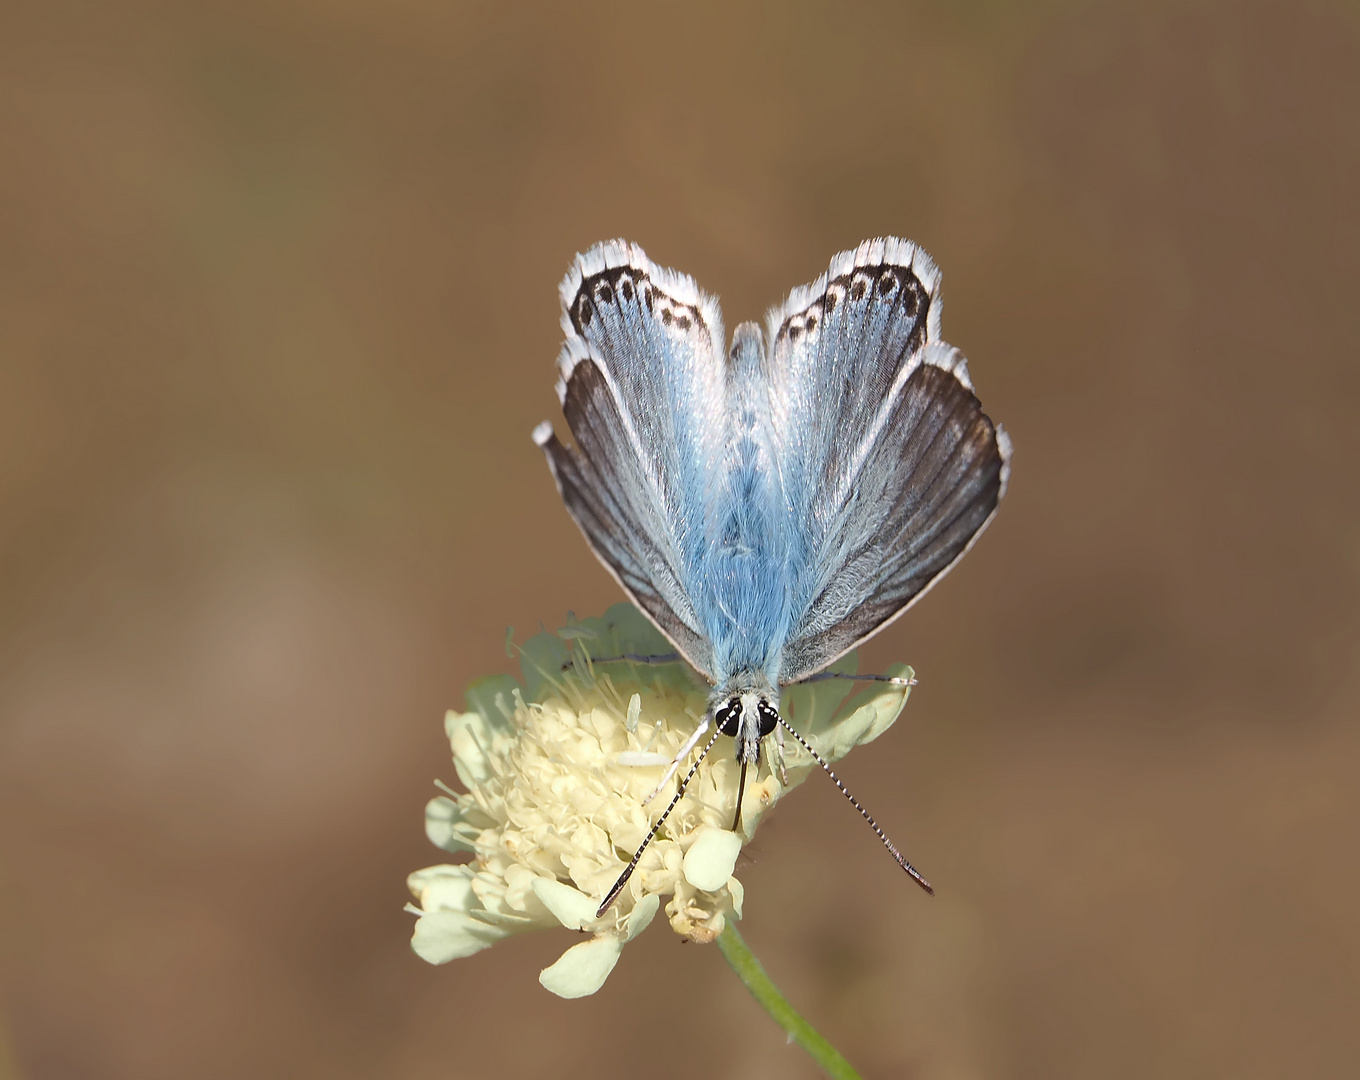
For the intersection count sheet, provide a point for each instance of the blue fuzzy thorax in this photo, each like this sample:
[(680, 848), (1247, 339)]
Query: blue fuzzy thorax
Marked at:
[(747, 613)]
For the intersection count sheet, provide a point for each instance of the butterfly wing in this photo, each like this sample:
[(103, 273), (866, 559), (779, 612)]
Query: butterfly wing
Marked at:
[(890, 468), (642, 388)]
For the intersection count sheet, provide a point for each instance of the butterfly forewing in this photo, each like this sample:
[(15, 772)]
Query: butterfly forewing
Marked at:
[(898, 468), (927, 479), (642, 384)]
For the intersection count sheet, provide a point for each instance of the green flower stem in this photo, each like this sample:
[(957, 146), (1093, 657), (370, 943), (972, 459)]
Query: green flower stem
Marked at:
[(748, 969)]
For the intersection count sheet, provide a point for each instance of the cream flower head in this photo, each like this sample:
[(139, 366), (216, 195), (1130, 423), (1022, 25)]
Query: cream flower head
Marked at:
[(557, 770)]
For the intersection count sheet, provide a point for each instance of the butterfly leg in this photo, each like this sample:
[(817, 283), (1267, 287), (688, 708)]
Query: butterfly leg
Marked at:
[(824, 675), (631, 658), (684, 752), (741, 792), (779, 756)]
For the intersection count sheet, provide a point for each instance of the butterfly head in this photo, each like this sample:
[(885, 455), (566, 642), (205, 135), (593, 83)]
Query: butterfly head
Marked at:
[(748, 718)]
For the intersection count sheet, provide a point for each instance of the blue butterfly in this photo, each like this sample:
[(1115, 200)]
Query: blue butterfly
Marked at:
[(770, 506)]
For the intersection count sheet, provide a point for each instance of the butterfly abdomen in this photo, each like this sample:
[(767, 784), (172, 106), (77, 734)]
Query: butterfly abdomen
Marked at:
[(745, 563)]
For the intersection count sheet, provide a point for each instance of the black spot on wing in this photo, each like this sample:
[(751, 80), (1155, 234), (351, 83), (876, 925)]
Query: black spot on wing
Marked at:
[(860, 284), (616, 286)]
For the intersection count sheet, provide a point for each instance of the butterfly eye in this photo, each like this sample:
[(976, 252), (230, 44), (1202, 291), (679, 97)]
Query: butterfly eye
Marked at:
[(769, 717), (729, 718)]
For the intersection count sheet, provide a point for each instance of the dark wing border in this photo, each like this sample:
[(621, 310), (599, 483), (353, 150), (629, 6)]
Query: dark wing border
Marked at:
[(912, 455)]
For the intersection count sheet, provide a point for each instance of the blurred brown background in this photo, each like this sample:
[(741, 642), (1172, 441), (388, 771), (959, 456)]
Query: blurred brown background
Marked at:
[(277, 314)]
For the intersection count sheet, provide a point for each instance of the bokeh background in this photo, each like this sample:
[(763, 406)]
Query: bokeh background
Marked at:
[(277, 314)]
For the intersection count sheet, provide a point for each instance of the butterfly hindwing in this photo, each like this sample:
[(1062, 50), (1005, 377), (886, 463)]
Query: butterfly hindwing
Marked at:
[(641, 385), (891, 467)]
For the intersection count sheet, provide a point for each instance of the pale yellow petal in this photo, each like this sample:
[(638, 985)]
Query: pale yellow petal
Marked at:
[(711, 858), (441, 936), (641, 916), (571, 907), (583, 968)]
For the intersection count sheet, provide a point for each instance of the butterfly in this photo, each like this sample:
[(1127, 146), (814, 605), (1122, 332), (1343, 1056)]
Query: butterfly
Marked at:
[(772, 503)]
